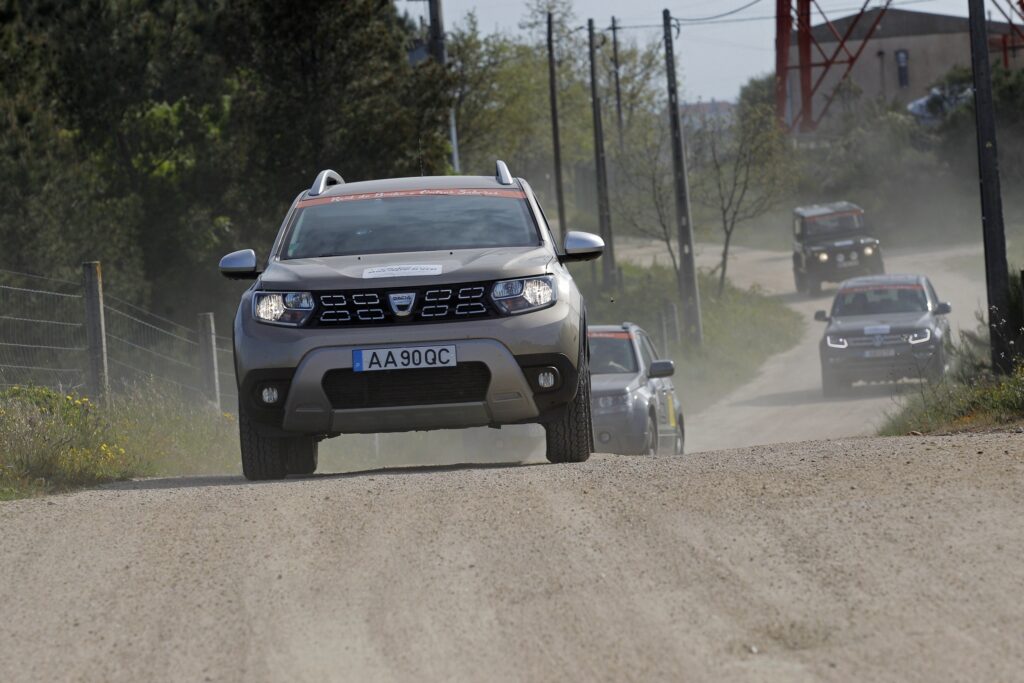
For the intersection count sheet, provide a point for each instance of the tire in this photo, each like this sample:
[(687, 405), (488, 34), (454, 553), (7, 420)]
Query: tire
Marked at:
[(680, 443), (570, 436), (651, 437), (263, 457), (813, 285), (302, 455), (799, 281), (832, 384)]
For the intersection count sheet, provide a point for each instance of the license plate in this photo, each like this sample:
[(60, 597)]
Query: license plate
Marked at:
[(848, 264), (403, 358), (880, 353)]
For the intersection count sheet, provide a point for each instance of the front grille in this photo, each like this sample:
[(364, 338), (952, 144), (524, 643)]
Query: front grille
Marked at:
[(877, 340), (387, 306), (464, 383)]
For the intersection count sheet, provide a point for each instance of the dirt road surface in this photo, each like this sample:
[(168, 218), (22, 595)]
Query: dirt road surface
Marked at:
[(867, 559), (784, 402)]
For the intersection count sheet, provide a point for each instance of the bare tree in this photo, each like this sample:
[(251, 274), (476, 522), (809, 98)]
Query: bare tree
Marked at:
[(743, 168), (644, 199)]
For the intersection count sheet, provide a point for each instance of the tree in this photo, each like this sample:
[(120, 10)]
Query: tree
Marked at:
[(742, 169)]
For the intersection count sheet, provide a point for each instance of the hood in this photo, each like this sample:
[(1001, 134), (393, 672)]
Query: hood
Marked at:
[(406, 269), (868, 325), (602, 385)]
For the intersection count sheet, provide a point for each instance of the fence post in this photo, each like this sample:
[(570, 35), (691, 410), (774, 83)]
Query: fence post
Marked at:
[(663, 325), (210, 379), (98, 379)]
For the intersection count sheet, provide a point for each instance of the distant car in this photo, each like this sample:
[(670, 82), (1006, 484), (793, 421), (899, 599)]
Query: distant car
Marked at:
[(633, 400), (883, 328), (831, 243)]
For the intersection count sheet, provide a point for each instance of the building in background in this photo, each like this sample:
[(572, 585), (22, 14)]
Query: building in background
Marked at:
[(907, 54)]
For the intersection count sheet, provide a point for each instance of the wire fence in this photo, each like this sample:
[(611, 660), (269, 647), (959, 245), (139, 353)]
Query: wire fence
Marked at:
[(44, 340)]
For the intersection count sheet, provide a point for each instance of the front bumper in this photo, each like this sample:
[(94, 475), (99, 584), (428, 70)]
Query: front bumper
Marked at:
[(623, 432), (297, 360), (908, 362)]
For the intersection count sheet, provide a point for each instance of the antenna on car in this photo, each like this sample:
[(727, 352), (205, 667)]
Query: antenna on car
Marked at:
[(325, 179), (502, 173)]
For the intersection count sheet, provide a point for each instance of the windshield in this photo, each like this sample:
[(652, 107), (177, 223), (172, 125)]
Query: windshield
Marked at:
[(612, 353), (880, 300), (409, 221), (834, 224)]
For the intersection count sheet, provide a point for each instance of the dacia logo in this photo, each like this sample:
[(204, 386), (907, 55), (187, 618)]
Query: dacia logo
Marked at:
[(402, 303)]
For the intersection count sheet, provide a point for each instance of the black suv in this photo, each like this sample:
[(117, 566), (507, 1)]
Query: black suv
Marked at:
[(883, 328), (830, 244)]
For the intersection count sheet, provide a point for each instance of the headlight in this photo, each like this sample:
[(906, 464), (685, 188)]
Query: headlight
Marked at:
[(282, 308), (822, 257), (836, 342), (919, 337), (612, 402), (528, 294), (869, 251)]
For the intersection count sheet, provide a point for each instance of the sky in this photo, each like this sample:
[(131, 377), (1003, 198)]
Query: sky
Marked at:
[(716, 59)]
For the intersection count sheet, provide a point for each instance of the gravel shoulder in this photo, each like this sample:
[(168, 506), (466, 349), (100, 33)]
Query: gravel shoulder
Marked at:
[(858, 559)]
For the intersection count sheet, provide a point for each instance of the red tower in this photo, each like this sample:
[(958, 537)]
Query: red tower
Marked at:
[(816, 60)]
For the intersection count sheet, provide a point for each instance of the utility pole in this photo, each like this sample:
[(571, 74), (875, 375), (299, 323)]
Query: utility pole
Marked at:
[(555, 136), (997, 277), (618, 88), (604, 213), (688, 292), (440, 54)]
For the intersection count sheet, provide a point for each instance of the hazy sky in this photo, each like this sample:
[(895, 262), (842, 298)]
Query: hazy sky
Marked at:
[(716, 58)]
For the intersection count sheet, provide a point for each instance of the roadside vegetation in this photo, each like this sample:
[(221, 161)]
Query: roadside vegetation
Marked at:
[(971, 396), (53, 441), (742, 327)]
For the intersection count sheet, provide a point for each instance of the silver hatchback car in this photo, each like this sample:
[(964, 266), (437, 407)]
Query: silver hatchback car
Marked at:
[(410, 304)]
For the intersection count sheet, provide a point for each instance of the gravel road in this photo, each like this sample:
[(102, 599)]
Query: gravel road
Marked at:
[(861, 559), (784, 402)]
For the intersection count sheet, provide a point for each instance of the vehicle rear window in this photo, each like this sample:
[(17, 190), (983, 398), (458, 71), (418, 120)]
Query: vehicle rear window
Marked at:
[(409, 221), (834, 224), (612, 353), (880, 300)]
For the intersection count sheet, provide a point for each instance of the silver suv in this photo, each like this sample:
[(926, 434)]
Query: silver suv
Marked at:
[(410, 304)]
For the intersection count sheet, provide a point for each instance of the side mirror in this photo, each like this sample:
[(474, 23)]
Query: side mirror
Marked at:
[(582, 246), (944, 308), (239, 265), (661, 368), (821, 316)]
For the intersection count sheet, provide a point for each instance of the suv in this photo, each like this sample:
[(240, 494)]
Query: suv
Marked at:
[(636, 410), (883, 328), (831, 244), (410, 304)]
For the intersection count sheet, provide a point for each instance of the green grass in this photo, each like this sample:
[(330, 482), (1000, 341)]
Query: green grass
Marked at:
[(742, 328), (956, 406), (52, 441)]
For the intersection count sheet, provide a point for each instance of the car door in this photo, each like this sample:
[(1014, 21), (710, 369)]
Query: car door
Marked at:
[(660, 389)]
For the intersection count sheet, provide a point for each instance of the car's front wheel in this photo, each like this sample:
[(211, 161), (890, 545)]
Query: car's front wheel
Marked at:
[(570, 436), (833, 384)]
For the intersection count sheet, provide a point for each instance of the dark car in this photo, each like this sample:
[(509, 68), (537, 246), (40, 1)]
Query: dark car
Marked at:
[(883, 328), (634, 404), (831, 243)]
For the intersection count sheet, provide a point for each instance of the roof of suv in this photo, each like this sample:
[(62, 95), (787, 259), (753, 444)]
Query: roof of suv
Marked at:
[(446, 182), (882, 280), (817, 210)]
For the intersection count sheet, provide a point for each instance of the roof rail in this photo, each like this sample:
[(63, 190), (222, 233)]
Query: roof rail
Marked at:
[(325, 179), (502, 173)]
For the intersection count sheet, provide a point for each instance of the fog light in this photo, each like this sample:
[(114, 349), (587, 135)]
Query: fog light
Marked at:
[(546, 379), (270, 395), (604, 437)]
